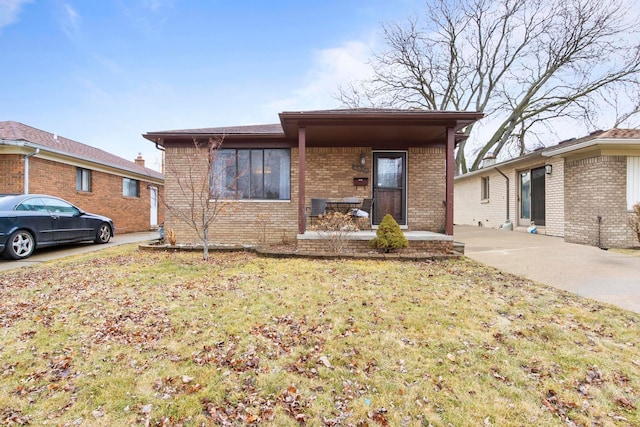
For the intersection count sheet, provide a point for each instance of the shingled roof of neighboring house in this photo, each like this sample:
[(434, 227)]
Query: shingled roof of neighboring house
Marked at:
[(625, 137), (15, 131), (599, 137)]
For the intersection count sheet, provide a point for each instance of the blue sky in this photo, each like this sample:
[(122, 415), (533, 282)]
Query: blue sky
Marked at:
[(104, 72)]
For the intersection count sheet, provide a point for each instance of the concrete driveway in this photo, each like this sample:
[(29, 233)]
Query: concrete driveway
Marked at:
[(56, 252), (585, 270)]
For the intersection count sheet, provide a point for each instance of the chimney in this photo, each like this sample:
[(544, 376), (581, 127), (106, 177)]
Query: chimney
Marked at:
[(139, 160), (489, 160)]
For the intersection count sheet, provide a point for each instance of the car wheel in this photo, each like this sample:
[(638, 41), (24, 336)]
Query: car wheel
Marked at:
[(104, 233), (20, 245)]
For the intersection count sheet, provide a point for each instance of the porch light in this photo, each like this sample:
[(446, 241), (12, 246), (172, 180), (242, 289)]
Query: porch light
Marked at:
[(363, 159), (548, 169)]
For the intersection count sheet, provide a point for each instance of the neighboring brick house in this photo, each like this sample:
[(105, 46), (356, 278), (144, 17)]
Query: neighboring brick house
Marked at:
[(34, 161), (580, 189), (403, 159)]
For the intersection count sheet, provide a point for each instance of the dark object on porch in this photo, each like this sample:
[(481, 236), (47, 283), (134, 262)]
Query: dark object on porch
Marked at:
[(318, 207), (362, 215)]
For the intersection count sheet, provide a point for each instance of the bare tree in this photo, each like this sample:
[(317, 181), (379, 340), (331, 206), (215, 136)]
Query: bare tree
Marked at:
[(198, 179), (524, 63)]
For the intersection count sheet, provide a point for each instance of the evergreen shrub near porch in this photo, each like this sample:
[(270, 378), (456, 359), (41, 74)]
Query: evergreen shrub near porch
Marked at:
[(389, 236)]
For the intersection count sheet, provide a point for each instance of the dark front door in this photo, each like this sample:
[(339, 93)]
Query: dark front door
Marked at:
[(537, 196), (390, 186)]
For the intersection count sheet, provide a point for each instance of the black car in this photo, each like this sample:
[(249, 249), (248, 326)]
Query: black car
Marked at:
[(30, 221)]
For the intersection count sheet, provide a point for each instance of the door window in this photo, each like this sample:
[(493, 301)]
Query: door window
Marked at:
[(525, 195), (389, 186)]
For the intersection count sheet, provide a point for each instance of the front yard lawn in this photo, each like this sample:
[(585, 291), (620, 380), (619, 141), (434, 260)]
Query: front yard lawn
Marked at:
[(124, 337)]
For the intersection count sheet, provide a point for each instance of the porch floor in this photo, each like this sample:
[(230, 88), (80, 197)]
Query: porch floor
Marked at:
[(419, 236)]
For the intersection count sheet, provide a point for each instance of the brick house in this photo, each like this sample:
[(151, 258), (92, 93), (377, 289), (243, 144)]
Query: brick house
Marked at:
[(34, 161), (580, 189), (402, 159)]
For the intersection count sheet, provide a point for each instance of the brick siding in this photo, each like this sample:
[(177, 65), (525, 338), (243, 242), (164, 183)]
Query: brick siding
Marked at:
[(240, 221), (469, 209), (12, 168), (555, 198), (317, 246), (427, 189), (129, 214), (329, 174), (596, 186)]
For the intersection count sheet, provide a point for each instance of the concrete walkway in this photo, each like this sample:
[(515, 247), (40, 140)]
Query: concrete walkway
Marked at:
[(56, 252), (585, 270)]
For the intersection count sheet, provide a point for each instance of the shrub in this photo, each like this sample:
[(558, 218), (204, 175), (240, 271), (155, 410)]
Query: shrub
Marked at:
[(634, 220), (389, 236), (335, 228)]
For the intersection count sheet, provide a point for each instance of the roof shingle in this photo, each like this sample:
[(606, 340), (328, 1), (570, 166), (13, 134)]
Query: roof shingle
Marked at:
[(16, 131)]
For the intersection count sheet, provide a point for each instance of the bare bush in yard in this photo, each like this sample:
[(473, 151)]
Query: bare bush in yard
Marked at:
[(195, 179), (634, 220), (335, 228), (171, 236), (262, 222)]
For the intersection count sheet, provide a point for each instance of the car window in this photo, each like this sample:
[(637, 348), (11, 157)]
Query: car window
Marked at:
[(60, 206), (35, 204)]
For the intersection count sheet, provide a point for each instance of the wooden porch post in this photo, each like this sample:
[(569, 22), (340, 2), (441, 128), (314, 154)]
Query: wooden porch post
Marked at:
[(302, 142), (450, 171)]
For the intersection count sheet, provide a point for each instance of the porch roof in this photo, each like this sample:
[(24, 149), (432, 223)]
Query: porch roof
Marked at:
[(354, 127)]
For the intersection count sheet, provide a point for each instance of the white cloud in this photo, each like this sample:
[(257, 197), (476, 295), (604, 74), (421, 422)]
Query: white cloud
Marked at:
[(9, 11), (70, 22), (147, 16), (156, 5), (331, 68)]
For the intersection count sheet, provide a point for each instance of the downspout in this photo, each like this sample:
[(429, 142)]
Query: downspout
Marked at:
[(507, 178), (26, 169)]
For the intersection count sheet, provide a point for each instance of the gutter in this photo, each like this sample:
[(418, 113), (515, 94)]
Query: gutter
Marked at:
[(131, 173), (26, 169), (591, 143), (507, 178)]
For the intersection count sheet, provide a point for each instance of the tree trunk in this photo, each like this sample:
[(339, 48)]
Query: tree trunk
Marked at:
[(205, 241)]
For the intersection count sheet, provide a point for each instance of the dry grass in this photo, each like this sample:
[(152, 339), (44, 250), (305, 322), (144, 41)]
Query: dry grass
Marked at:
[(136, 338), (631, 251)]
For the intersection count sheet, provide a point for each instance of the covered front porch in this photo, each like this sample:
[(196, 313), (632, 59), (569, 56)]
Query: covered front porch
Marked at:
[(402, 160)]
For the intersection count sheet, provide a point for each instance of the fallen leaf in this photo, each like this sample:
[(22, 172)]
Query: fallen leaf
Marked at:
[(325, 361)]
